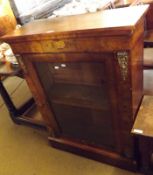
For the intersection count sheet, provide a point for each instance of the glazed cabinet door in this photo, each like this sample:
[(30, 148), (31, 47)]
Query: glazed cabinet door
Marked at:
[(81, 91)]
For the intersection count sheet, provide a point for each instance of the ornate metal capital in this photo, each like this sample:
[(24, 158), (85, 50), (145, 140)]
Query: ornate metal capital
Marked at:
[(122, 58)]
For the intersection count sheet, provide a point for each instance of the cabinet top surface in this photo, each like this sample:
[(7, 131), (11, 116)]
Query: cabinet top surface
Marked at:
[(120, 21)]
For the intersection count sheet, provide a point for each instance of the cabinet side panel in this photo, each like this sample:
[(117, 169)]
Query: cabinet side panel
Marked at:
[(137, 75), (136, 64)]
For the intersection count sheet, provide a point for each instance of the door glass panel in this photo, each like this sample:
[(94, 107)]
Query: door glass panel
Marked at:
[(78, 94)]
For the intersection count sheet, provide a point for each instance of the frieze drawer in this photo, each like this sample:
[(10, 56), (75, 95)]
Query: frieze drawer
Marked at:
[(70, 45)]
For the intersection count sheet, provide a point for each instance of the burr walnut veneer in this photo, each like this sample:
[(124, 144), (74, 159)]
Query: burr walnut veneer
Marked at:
[(85, 73)]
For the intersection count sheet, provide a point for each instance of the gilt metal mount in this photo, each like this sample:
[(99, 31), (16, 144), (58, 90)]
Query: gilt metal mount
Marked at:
[(122, 58)]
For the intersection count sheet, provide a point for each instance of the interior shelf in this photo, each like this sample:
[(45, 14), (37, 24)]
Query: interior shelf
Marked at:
[(78, 95)]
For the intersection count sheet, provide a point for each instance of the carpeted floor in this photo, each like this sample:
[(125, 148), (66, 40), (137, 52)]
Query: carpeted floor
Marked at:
[(25, 151)]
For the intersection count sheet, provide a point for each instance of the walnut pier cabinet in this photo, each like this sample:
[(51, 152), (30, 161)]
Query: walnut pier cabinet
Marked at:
[(85, 73)]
